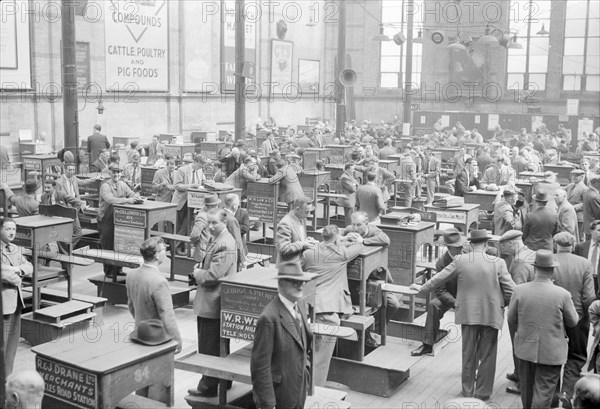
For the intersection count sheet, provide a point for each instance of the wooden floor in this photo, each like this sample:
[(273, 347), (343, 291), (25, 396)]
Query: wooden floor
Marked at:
[(432, 381)]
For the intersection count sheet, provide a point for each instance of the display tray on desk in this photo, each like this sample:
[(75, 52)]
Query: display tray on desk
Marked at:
[(60, 312)]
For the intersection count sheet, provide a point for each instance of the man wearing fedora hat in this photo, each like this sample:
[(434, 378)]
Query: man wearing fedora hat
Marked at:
[(279, 364), (484, 288), (220, 261), (540, 225), (445, 294), (540, 311), (574, 274)]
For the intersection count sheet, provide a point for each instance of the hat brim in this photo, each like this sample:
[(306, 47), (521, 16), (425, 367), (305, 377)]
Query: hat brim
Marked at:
[(484, 238), (160, 341), (460, 243), (553, 265), (303, 277), (216, 202), (540, 200)]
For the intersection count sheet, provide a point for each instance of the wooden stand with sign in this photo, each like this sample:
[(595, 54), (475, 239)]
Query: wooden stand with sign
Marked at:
[(314, 155), (311, 181), (262, 205), (133, 225), (97, 369), (485, 199), (125, 140), (210, 150), (40, 163), (180, 150), (563, 173), (462, 217), (243, 297), (338, 153), (147, 177)]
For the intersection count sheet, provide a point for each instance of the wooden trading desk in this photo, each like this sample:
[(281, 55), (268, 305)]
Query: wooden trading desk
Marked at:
[(125, 140), (179, 150), (337, 154), (35, 232), (92, 370), (40, 163), (310, 182), (312, 155), (461, 217), (563, 173), (361, 267), (485, 199), (210, 149), (406, 244)]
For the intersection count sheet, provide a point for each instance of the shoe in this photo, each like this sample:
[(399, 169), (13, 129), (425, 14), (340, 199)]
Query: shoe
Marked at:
[(483, 398), (371, 341), (512, 377), (422, 350), (565, 400), (515, 390), (203, 394)]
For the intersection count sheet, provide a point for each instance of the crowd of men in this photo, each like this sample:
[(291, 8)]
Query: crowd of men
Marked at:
[(545, 270)]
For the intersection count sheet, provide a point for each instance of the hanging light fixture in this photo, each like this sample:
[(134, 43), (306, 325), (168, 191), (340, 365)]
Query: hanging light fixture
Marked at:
[(543, 31), (310, 23), (381, 36), (488, 39), (419, 39), (457, 45), (514, 44)]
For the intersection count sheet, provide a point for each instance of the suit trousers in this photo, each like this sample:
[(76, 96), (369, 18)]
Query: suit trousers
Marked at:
[(409, 193), (512, 331), (430, 184), (479, 349), (539, 384), (577, 355), (348, 215), (392, 307), (324, 346), (437, 309), (106, 227), (209, 343), (182, 221), (11, 334)]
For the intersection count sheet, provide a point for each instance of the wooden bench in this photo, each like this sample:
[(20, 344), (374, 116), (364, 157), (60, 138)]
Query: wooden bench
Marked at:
[(360, 324), (236, 367), (111, 257), (139, 402), (53, 296), (61, 258)]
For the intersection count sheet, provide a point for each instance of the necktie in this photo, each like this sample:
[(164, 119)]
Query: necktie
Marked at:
[(299, 322), (133, 178), (594, 259), (72, 186), (193, 177)]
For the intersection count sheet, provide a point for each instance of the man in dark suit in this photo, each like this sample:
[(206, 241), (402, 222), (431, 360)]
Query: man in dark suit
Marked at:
[(575, 191), (149, 297), (163, 183), (279, 364), (14, 268), (289, 182), (349, 186), (484, 288), (292, 239), (431, 173), (26, 204), (445, 294), (540, 225), (232, 161), (220, 261), (466, 178), (590, 250), (101, 162), (369, 199), (574, 274), (248, 172), (232, 204), (591, 205), (540, 311), (329, 259), (96, 142)]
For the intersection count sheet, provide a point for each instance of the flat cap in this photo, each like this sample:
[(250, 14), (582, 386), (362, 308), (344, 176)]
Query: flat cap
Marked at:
[(509, 235), (578, 172), (564, 239), (115, 167)]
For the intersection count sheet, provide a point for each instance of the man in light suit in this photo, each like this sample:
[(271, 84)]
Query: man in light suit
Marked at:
[(153, 149), (408, 173), (369, 199), (566, 214), (187, 177), (248, 172), (484, 288), (163, 183), (149, 297), (329, 260), (53, 196), (349, 186), (575, 191), (232, 205), (220, 261), (590, 250), (591, 205), (289, 182), (269, 144), (132, 173), (14, 268), (292, 239), (540, 311), (431, 173), (574, 274), (499, 174), (69, 184), (279, 365)]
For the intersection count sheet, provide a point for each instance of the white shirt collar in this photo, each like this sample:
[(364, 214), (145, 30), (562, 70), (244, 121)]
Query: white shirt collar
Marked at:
[(290, 306)]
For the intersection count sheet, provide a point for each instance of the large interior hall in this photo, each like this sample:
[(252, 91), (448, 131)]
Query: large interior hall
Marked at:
[(300, 204)]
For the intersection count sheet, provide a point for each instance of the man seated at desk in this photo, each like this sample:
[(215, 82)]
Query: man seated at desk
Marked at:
[(27, 204), (53, 196), (329, 260), (360, 231), (499, 174)]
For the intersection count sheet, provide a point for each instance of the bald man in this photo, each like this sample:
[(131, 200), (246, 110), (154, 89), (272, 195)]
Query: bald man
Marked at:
[(24, 390)]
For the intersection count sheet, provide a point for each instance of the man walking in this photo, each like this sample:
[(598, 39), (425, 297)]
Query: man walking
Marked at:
[(540, 311), (96, 143), (540, 225), (484, 288)]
